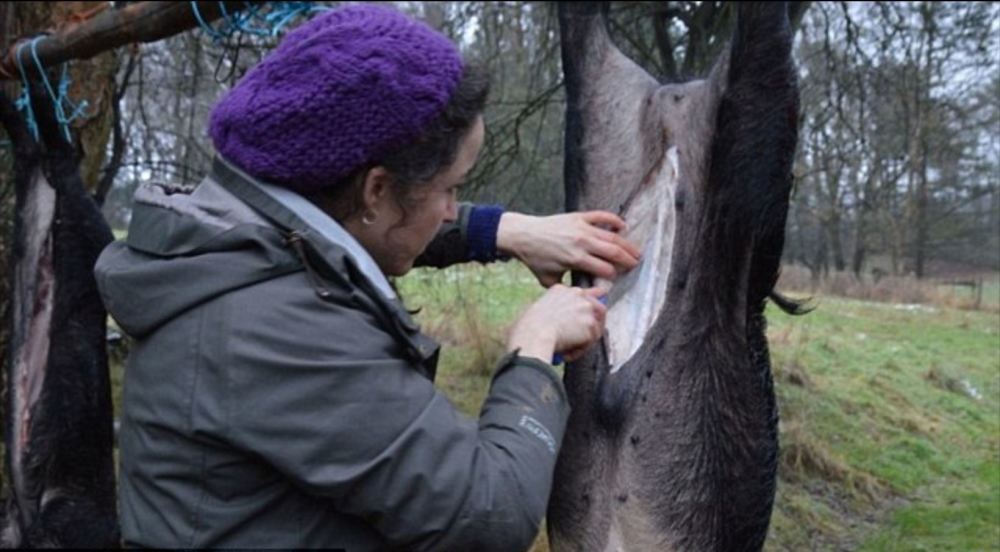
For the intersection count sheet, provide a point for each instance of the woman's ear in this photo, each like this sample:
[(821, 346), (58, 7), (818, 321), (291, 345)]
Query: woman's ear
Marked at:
[(376, 187)]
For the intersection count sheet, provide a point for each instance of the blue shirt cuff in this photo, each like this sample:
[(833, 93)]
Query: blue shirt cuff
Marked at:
[(481, 234)]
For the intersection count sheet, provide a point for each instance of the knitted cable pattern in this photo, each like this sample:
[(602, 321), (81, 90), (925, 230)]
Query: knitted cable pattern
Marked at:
[(338, 92)]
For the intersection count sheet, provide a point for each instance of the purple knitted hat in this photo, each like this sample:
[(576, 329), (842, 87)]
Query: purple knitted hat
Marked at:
[(339, 91)]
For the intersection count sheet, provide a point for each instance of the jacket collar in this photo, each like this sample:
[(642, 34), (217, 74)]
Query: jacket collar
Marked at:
[(293, 213), (297, 213)]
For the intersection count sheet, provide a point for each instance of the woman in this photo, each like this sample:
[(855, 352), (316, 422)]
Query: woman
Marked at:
[(278, 393)]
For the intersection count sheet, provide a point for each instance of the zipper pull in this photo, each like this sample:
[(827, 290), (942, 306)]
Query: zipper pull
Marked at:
[(295, 240)]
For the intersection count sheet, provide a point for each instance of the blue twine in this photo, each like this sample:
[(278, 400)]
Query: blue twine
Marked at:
[(225, 15), (287, 11), (205, 27), (240, 21), (279, 16), (23, 102), (58, 99)]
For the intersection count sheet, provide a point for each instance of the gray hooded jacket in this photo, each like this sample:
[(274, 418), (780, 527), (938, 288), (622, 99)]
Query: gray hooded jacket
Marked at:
[(277, 395)]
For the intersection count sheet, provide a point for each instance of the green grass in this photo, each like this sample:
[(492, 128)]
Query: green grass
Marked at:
[(890, 415), (906, 400), (955, 515), (890, 428)]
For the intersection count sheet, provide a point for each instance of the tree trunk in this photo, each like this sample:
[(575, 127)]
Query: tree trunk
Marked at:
[(860, 248), (920, 244), (832, 228), (923, 99), (820, 267), (862, 195)]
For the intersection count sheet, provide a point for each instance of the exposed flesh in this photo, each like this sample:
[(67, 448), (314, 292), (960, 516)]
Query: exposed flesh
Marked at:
[(34, 292), (637, 298)]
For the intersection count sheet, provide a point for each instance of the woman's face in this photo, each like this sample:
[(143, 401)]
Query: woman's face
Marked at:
[(395, 239)]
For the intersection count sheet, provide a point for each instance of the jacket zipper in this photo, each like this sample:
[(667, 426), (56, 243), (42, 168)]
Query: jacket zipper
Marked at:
[(295, 240)]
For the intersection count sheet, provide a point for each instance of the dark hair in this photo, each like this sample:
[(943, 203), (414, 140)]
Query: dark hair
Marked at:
[(418, 161)]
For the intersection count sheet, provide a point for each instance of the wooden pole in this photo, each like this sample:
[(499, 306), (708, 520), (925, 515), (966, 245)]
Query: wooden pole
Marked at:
[(112, 28)]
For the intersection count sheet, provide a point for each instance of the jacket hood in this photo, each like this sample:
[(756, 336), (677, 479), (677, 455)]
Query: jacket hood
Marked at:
[(183, 248)]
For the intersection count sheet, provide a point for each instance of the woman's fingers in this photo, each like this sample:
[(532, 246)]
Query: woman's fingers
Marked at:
[(589, 241), (619, 242), (616, 251), (590, 318), (604, 218), (602, 238), (597, 266), (572, 317), (583, 319), (596, 292)]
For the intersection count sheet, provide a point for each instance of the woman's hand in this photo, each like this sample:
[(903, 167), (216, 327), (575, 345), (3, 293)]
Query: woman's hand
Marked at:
[(566, 320), (588, 241)]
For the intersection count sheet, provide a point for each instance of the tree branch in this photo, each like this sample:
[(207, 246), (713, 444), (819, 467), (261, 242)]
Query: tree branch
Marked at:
[(139, 22), (118, 139)]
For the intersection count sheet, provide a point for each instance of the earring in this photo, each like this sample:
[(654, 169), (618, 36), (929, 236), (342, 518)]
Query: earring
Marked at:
[(369, 217)]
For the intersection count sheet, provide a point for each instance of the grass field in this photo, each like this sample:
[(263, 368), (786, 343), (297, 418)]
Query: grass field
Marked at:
[(890, 414)]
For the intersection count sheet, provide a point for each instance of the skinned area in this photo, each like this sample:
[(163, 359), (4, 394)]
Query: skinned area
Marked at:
[(637, 298)]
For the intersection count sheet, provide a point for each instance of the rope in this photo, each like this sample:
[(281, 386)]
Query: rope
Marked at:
[(23, 102), (240, 20), (288, 12), (271, 24), (62, 96), (58, 99), (205, 27)]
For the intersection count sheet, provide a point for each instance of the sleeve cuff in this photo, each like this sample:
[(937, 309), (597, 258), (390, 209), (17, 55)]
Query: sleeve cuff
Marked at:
[(513, 359), (481, 235)]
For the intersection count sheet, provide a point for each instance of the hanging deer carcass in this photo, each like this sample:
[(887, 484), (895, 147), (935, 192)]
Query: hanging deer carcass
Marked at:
[(58, 417), (672, 441)]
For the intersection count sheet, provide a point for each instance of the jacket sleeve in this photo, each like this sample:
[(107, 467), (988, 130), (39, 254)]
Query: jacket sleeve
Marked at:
[(368, 432), (472, 237)]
